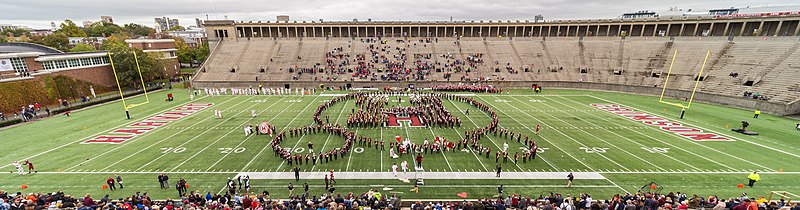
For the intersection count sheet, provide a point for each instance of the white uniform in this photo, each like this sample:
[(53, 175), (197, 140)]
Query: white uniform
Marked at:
[(19, 167), (394, 169), (505, 146), (405, 166), (253, 112), (248, 130)]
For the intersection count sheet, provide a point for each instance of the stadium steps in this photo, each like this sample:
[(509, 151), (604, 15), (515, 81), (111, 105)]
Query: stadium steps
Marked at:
[(778, 61)]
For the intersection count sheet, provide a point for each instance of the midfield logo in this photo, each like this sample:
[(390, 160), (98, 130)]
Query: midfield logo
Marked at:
[(394, 120)]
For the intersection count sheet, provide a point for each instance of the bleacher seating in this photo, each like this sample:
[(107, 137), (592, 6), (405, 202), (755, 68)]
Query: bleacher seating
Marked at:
[(765, 65)]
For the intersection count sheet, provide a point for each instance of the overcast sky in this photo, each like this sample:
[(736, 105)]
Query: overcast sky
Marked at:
[(39, 13)]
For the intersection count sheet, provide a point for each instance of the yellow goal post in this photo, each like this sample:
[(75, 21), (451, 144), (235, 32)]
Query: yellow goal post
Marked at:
[(697, 82)]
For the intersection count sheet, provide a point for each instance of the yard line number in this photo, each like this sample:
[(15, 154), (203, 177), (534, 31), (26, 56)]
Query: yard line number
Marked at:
[(226, 150), (656, 149), (165, 150), (594, 149)]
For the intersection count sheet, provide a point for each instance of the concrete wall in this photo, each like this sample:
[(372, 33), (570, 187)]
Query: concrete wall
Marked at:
[(738, 102)]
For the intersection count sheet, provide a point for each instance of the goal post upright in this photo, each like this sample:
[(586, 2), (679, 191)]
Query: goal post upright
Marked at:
[(141, 78), (699, 75), (666, 81), (119, 87)]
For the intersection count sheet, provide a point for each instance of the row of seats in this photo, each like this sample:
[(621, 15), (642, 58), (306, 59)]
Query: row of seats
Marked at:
[(764, 65)]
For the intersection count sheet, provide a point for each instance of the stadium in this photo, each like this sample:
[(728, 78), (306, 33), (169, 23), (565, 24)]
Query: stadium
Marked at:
[(576, 114)]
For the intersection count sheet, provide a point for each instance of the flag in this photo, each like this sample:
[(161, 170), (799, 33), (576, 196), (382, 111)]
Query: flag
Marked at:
[(398, 138), (24, 186), (653, 186), (462, 195)]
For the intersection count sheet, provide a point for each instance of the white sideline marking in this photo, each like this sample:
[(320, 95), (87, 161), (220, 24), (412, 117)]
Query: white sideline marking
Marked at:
[(542, 137), (427, 175), (718, 133), (248, 137), (193, 138), (590, 134), (215, 141), (648, 136), (344, 106), (332, 94), (621, 136), (98, 133), (145, 149), (283, 129)]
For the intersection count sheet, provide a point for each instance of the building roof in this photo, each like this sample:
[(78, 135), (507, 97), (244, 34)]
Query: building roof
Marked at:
[(149, 40), (21, 47)]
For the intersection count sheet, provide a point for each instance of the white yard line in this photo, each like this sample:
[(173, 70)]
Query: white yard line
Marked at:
[(650, 137), (695, 143), (101, 132), (612, 132), (251, 135), (351, 152), (153, 144), (489, 136), (541, 137), (195, 137), (570, 137), (283, 129), (237, 128), (382, 150), (344, 106), (473, 152), (716, 131)]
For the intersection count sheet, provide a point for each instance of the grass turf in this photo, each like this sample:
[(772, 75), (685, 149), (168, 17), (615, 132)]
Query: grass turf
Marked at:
[(574, 136)]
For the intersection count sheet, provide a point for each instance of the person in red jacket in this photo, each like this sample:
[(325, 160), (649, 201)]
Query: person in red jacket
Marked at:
[(419, 160), (110, 182)]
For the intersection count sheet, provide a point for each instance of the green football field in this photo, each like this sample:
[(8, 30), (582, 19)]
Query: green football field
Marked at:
[(622, 154)]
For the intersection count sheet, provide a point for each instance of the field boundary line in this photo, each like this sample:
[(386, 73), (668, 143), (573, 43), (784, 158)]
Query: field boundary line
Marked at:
[(653, 138), (101, 132), (716, 132), (283, 129), (322, 149), (234, 172), (621, 136), (193, 138), (133, 140), (487, 136), (569, 137), (223, 136), (541, 137), (151, 145), (590, 134), (251, 135)]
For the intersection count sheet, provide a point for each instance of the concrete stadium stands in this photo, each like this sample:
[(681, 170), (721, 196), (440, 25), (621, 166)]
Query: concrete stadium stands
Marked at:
[(767, 65)]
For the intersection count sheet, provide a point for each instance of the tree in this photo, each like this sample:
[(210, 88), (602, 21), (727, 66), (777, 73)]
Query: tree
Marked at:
[(70, 29), (176, 28), (82, 48), (59, 41), (15, 32), (115, 41), (201, 53), (185, 53), (134, 29), (103, 29), (125, 66)]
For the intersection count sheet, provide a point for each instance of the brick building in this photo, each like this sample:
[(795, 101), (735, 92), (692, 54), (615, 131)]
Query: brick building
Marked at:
[(166, 50), (23, 61)]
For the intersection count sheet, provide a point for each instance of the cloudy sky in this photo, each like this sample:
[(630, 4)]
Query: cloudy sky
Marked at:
[(39, 13)]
